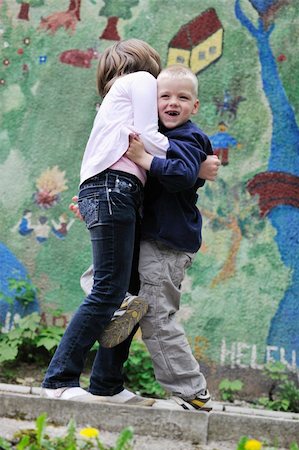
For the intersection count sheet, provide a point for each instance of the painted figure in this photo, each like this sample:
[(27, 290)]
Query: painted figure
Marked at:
[(24, 226), (222, 142), (61, 228), (42, 230)]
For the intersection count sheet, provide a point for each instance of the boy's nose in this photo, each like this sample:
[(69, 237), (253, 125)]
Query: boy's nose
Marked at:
[(173, 101)]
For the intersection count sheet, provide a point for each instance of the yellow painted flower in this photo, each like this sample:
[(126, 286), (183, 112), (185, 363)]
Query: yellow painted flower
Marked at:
[(253, 444), (89, 433)]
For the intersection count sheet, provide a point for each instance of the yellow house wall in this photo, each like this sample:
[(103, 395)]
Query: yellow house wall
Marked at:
[(213, 41), (174, 53)]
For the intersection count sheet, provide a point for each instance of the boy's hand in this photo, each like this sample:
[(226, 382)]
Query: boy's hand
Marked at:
[(75, 208), (136, 152), (209, 168)]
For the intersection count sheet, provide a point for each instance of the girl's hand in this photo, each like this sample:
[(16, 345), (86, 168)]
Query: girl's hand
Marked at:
[(136, 152), (75, 208), (209, 168)]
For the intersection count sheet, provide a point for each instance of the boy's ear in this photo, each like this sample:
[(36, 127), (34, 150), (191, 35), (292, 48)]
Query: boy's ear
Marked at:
[(196, 106)]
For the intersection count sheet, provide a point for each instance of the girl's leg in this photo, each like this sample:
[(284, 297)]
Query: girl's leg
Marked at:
[(107, 372), (109, 204)]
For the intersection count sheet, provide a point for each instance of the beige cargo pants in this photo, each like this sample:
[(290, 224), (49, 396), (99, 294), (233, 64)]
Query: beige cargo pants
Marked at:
[(162, 271)]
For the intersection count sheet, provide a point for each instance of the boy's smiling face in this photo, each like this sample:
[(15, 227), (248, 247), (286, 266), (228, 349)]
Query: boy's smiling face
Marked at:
[(176, 101)]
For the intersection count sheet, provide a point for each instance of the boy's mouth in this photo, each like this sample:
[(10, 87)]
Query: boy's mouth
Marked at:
[(172, 113)]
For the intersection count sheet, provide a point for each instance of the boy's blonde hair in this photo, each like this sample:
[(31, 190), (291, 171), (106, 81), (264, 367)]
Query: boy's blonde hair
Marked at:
[(125, 57), (179, 71)]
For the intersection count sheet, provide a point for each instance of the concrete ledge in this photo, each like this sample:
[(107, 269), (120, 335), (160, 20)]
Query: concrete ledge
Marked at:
[(227, 423), (278, 431), (157, 422)]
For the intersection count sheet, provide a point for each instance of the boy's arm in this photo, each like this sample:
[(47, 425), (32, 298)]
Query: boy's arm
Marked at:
[(209, 168)]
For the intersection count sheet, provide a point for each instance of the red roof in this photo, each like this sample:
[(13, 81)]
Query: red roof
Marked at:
[(197, 30)]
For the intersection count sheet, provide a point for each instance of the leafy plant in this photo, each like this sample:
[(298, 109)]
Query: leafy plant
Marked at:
[(140, 373), (228, 389), (286, 398), (24, 331), (28, 333), (24, 291), (283, 394), (245, 443), (294, 446), (88, 439), (49, 337)]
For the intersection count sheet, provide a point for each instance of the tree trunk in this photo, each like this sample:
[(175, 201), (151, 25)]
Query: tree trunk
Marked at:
[(110, 33), (74, 7), (24, 11)]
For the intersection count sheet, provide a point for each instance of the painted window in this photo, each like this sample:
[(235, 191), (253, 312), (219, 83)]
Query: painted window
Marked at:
[(201, 55), (212, 50), (180, 59)]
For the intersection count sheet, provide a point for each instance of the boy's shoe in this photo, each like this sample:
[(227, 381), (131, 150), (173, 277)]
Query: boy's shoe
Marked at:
[(125, 318), (201, 403)]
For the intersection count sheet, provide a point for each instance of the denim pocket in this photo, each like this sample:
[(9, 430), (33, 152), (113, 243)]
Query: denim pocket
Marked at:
[(124, 186), (89, 208)]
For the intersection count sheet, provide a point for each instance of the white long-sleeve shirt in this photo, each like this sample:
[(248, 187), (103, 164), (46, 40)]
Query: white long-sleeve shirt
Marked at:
[(130, 106)]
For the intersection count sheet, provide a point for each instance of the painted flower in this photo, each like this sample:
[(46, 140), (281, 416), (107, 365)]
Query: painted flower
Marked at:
[(89, 433), (281, 57), (253, 444), (49, 186)]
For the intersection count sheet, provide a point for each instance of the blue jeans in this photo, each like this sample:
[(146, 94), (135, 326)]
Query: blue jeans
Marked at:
[(109, 203)]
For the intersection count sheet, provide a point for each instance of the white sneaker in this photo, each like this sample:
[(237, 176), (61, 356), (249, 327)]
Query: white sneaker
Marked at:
[(68, 393)]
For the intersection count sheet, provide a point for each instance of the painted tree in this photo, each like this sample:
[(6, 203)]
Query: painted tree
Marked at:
[(113, 10), (237, 213), (25, 6), (278, 188)]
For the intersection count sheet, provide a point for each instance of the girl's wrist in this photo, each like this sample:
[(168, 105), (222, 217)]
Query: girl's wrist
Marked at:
[(146, 161)]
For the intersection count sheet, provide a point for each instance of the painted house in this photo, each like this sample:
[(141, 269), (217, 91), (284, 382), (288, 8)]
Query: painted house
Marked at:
[(198, 43)]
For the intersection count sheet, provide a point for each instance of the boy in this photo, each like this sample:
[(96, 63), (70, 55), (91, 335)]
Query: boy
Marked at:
[(171, 235)]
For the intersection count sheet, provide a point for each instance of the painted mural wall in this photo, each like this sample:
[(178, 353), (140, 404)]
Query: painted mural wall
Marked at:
[(240, 304)]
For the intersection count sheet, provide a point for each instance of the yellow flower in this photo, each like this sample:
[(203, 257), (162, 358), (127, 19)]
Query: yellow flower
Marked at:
[(253, 444), (89, 433)]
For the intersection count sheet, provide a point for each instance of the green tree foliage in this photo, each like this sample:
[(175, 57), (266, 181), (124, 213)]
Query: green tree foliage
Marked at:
[(118, 8)]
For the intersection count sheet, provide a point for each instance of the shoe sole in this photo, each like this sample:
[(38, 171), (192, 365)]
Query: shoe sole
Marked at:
[(144, 402), (189, 407), (120, 328), (134, 401)]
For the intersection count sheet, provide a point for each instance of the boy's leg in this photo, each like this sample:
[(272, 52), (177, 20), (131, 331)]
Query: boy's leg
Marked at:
[(161, 272)]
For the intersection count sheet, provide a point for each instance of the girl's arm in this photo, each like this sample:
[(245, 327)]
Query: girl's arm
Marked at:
[(145, 110)]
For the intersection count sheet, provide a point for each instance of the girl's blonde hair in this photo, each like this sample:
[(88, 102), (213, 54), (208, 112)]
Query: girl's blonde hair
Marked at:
[(179, 71), (125, 57)]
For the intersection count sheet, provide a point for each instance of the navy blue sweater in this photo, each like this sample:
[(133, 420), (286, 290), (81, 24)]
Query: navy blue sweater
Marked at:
[(170, 212)]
